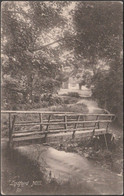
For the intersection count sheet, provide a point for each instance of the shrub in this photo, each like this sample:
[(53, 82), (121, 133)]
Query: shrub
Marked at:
[(55, 100), (74, 94), (108, 90)]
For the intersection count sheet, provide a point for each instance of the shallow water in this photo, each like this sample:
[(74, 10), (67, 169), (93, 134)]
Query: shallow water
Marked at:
[(71, 167), (91, 105)]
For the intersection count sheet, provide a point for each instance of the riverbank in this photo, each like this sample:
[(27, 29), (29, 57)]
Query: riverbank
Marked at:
[(38, 169), (21, 176), (18, 171), (111, 158)]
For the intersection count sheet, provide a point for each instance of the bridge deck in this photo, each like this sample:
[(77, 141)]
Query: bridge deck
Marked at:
[(87, 133), (55, 124)]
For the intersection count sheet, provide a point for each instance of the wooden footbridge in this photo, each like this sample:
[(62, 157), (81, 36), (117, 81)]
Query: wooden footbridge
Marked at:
[(31, 125)]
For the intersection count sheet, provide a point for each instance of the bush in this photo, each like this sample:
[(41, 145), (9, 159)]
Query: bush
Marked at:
[(74, 94), (55, 100), (108, 90), (51, 99), (69, 108), (70, 100), (66, 101)]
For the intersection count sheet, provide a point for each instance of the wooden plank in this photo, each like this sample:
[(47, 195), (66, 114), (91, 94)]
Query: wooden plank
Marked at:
[(85, 133), (49, 132), (75, 114), (29, 131), (77, 129), (72, 129), (80, 122), (30, 122), (60, 130), (28, 138), (26, 133), (82, 133), (69, 122), (52, 112), (56, 128), (32, 112)]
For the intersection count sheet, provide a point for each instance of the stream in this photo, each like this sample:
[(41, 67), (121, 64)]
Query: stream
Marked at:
[(68, 167), (62, 166)]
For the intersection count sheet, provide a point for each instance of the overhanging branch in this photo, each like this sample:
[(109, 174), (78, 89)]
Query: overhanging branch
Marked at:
[(56, 41), (44, 46)]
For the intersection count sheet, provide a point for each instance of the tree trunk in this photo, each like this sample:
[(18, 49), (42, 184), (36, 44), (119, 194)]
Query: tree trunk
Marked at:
[(30, 87)]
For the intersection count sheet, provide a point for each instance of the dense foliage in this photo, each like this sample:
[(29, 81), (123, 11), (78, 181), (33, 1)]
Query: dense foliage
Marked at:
[(23, 72), (39, 38), (99, 26), (108, 90)]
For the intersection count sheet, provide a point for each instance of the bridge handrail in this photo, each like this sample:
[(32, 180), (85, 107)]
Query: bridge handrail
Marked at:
[(48, 121), (54, 112), (68, 122), (32, 112)]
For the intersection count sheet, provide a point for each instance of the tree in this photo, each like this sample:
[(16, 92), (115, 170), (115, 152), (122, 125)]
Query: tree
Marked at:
[(99, 29), (99, 37), (91, 40), (21, 27)]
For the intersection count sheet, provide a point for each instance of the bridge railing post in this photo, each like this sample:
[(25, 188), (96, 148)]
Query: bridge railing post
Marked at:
[(11, 127), (84, 120), (96, 124), (71, 124), (65, 120), (107, 127), (75, 127), (47, 128), (41, 120)]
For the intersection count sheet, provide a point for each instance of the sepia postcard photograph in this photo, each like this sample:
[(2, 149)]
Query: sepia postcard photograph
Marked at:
[(62, 98)]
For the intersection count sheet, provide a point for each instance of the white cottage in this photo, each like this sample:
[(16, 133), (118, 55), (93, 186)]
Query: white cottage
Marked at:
[(71, 83)]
